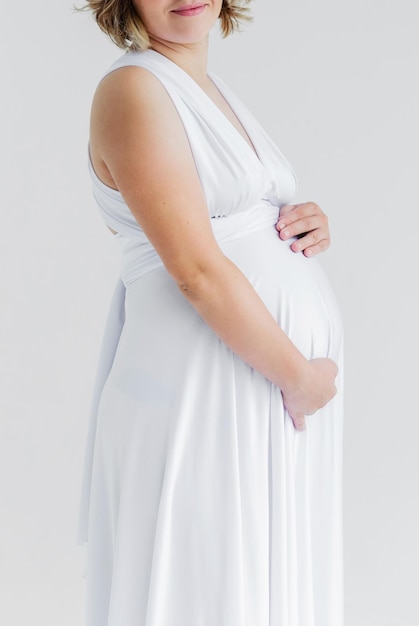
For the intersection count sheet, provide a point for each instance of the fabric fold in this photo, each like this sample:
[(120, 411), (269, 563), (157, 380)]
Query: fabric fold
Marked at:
[(111, 336)]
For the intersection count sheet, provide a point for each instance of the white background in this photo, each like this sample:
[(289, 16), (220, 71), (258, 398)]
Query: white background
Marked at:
[(336, 86)]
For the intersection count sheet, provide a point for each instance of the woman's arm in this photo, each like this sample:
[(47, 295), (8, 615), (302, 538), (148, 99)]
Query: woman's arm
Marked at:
[(137, 135)]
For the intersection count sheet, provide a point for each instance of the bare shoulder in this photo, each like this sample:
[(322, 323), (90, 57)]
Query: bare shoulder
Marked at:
[(126, 102), (125, 85)]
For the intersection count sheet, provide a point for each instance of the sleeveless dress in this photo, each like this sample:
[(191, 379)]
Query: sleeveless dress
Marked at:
[(201, 504)]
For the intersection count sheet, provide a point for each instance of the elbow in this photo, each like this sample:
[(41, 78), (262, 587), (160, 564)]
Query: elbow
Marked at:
[(191, 282), (197, 280)]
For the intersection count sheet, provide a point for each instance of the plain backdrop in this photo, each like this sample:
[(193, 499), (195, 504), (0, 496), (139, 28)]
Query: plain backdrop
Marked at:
[(336, 85)]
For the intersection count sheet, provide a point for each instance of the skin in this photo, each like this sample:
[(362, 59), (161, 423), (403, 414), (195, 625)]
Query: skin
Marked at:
[(133, 116), (308, 221)]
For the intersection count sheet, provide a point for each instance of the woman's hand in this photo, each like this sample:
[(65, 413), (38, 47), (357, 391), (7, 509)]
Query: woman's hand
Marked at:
[(308, 222), (316, 388)]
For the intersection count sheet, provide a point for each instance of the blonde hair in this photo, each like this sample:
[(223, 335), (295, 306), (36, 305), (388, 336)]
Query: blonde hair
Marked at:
[(121, 22)]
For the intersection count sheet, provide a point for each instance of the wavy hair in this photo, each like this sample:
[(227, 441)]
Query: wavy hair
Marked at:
[(121, 22)]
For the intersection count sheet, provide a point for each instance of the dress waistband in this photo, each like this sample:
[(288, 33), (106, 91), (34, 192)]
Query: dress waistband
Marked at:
[(139, 257), (229, 227)]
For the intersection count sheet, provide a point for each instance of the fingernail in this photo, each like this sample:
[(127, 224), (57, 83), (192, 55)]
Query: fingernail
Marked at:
[(287, 233), (281, 226)]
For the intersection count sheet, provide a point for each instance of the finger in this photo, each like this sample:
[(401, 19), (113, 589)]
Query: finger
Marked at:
[(308, 239), (317, 249), (291, 213), (304, 225), (286, 209), (298, 421), (311, 244)]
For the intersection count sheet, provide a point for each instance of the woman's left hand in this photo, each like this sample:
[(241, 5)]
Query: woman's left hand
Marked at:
[(308, 222)]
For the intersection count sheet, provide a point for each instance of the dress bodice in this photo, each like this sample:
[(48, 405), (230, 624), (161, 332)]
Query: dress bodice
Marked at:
[(236, 180)]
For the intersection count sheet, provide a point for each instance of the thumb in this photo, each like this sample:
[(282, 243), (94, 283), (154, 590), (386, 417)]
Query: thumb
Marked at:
[(299, 423), (298, 420)]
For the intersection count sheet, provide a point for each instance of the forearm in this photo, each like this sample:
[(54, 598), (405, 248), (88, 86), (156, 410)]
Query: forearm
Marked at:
[(228, 303)]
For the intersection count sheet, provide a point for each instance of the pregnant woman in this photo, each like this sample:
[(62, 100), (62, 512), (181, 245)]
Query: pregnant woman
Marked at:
[(209, 498)]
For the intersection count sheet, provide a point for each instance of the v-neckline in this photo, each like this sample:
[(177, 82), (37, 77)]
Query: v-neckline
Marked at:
[(253, 150), (251, 146)]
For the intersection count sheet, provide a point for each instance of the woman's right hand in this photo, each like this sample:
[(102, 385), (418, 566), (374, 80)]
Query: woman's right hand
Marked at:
[(315, 389)]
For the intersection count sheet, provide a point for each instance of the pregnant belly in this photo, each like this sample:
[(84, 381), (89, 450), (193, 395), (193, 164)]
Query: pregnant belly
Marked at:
[(160, 322), (293, 287), (164, 341)]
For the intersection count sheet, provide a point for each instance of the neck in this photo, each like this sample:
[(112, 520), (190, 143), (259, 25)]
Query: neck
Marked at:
[(192, 58)]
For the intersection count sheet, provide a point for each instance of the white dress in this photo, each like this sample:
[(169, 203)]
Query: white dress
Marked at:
[(201, 504)]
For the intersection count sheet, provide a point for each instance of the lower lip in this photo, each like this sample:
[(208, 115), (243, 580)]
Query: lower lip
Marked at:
[(189, 12)]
